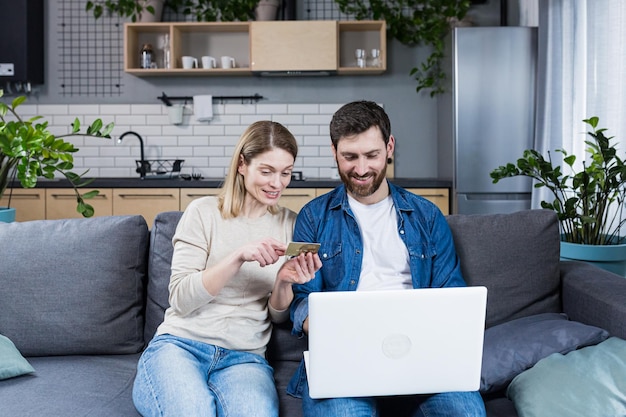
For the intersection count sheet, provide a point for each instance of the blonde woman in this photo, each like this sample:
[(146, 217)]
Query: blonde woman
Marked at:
[(229, 282)]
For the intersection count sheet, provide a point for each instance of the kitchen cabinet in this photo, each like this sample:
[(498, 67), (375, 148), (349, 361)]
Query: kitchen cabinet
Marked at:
[(293, 46), (367, 35), (119, 197), (29, 203), (61, 203), (439, 196), (296, 198), (257, 47), (196, 39), (292, 198), (145, 201), (187, 195)]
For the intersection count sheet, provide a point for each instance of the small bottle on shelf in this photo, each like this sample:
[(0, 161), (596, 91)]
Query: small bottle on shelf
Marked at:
[(147, 57)]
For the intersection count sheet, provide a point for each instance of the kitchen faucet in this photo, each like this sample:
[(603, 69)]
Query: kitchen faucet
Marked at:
[(143, 164)]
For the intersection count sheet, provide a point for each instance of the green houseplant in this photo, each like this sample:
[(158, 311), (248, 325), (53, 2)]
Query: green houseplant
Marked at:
[(29, 151), (132, 9), (415, 22), (589, 202), (216, 10)]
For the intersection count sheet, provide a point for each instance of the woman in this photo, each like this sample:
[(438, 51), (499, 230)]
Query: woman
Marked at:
[(228, 283)]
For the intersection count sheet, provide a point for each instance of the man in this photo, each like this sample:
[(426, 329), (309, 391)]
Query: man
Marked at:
[(374, 236)]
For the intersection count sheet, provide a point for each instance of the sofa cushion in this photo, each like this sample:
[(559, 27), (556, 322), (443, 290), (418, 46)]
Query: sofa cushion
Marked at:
[(516, 256), (74, 286), (511, 348), (159, 269), (12, 363), (586, 382), (72, 386)]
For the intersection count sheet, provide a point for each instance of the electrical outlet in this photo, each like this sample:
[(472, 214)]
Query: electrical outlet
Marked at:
[(7, 70)]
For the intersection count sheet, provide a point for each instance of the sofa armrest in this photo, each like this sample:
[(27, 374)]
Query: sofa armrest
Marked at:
[(594, 296)]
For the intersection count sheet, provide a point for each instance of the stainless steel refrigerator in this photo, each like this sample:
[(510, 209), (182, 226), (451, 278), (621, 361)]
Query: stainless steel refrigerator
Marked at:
[(487, 116)]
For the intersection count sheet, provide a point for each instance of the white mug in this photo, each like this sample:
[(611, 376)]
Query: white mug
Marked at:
[(228, 62), (189, 62), (208, 62)]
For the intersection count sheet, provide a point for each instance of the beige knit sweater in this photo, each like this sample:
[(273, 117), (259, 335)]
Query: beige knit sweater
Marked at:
[(238, 317)]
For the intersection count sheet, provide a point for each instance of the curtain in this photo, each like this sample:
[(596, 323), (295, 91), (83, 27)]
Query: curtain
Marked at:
[(581, 73)]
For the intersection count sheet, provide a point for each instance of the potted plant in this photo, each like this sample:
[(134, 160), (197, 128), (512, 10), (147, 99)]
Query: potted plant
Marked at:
[(415, 22), (589, 202), (29, 151), (136, 10), (216, 10)]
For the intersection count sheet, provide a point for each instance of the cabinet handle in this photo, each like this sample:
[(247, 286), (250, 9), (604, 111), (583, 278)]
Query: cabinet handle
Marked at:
[(298, 195), (200, 195), (432, 195), (146, 195), (26, 196), (73, 197)]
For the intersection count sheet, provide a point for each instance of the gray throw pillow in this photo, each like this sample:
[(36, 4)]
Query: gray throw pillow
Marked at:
[(74, 286), (516, 256), (513, 347)]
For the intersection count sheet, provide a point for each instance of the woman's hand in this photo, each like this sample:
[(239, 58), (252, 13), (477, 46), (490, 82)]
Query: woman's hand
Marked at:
[(266, 251), (300, 269)]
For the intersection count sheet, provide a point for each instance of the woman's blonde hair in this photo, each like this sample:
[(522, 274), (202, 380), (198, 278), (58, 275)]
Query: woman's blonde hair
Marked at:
[(259, 137)]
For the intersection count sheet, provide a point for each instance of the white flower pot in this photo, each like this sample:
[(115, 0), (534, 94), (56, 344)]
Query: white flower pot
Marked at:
[(266, 10)]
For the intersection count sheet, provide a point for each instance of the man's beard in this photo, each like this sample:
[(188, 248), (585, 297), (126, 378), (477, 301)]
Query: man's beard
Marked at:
[(362, 190)]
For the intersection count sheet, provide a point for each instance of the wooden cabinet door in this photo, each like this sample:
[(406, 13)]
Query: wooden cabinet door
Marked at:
[(61, 203), (187, 195), (296, 198), (145, 201), (294, 45), (29, 203), (439, 196)]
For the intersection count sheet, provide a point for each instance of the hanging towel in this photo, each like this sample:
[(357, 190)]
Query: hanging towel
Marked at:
[(203, 108)]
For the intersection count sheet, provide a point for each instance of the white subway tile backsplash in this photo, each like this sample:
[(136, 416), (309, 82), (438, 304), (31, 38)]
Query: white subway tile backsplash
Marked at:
[(303, 108), (271, 108), (113, 109), (89, 109), (146, 109), (206, 147), (51, 110)]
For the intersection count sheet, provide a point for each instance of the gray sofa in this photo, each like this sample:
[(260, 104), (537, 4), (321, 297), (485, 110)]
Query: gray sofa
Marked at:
[(81, 298)]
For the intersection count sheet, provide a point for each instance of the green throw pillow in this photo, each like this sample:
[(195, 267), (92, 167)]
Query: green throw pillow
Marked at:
[(587, 382), (12, 363)]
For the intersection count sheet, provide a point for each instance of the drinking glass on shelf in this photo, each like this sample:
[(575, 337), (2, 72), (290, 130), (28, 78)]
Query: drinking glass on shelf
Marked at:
[(374, 58), (360, 56)]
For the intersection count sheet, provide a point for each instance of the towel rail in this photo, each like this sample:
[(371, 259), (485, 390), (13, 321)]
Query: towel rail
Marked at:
[(167, 100)]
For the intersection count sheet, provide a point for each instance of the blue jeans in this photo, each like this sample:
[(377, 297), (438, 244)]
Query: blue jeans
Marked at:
[(448, 404), (182, 377)]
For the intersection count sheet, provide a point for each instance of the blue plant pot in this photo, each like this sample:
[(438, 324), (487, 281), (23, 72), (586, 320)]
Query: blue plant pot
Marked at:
[(7, 215), (609, 257)]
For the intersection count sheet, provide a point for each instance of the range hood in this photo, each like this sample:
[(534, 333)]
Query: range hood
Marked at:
[(297, 73)]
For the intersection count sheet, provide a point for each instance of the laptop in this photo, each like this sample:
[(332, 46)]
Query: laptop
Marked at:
[(396, 342)]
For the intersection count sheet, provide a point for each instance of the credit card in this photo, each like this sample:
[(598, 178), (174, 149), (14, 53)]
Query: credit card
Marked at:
[(296, 248)]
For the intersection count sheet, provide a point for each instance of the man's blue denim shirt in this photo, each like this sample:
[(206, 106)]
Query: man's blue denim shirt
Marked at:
[(329, 221)]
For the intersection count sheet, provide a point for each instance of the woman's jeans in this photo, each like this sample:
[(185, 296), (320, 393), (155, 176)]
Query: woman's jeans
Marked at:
[(449, 404), (182, 377)]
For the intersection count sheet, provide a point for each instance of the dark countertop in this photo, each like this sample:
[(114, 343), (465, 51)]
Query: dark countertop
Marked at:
[(217, 182)]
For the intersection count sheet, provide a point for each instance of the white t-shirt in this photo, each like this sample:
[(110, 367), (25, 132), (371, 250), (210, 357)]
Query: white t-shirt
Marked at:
[(385, 257)]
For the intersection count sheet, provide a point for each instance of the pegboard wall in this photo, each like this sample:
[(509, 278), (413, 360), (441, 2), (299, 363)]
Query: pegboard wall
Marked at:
[(323, 10), (90, 51)]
